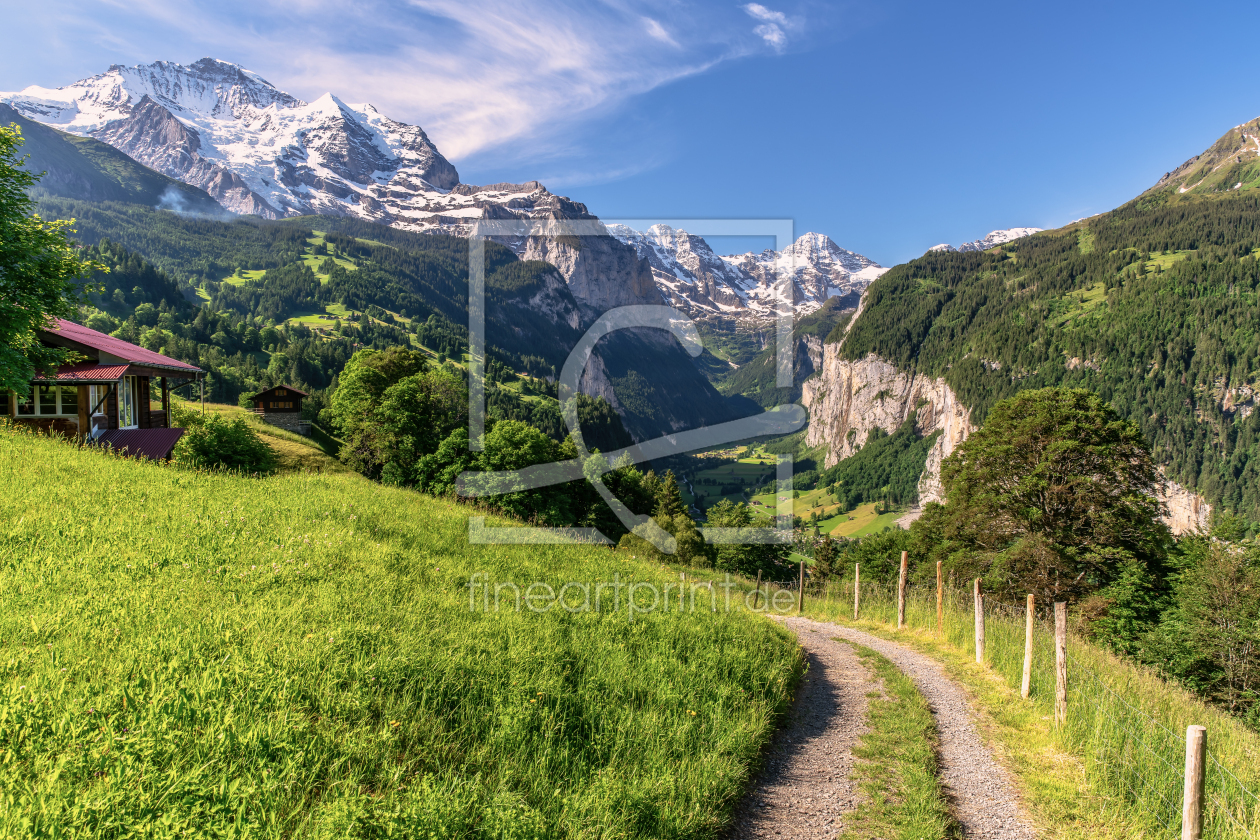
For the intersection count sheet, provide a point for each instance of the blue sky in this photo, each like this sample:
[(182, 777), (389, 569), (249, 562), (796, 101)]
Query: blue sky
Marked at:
[(889, 126)]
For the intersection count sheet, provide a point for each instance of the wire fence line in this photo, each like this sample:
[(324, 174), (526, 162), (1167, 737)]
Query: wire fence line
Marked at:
[(1129, 751)]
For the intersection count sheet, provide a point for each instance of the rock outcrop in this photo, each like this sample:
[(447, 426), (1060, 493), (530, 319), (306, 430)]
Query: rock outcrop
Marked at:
[(1186, 511), (849, 398)]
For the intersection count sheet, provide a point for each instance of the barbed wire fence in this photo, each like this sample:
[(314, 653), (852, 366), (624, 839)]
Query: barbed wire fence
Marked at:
[(1127, 750)]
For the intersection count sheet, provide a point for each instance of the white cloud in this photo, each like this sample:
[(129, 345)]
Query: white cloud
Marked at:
[(772, 30), (658, 32), (475, 75), (760, 12)]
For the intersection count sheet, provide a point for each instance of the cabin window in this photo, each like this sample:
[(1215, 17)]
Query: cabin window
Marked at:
[(26, 403), (69, 399), (47, 399), (4, 403), (96, 399), (127, 418)]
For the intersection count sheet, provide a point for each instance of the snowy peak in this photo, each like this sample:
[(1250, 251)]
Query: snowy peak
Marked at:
[(801, 277), (995, 238), (808, 272), (257, 149)]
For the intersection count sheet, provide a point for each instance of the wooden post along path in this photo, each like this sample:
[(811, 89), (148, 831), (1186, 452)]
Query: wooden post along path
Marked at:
[(757, 591), (979, 599), (901, 592), (857, 588), (1192, 797), (1026, 685), (1060, 663), (940, 600), (800, 596)]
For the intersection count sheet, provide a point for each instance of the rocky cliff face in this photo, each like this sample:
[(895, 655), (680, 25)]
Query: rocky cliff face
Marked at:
[(850, 398), (1187, 512), (847, 399), (602, 272)]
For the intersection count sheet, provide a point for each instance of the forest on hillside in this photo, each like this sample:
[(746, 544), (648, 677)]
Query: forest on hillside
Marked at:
[(1153, 308)]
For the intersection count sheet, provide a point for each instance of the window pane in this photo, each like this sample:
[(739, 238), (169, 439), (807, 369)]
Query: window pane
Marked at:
[(26, 406), (47, 399), (69, 399)]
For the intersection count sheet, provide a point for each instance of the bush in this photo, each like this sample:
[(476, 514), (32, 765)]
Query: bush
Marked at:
[(214, 442)]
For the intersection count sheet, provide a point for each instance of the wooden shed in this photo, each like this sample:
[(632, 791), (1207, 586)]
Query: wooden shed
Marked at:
[(282, 399)]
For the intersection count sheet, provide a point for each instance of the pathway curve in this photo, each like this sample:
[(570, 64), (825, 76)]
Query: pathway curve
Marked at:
[(805, 787), (980, 790)]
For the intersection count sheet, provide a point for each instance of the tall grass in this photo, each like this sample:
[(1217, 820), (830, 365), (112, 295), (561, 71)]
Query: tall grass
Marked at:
[(194, 654), (1125, 723)]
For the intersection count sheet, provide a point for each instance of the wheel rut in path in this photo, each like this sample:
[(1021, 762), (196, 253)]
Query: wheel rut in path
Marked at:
[(979, 789), (805, 787)]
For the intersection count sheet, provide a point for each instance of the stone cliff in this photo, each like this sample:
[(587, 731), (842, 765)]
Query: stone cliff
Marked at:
[(849, 398)]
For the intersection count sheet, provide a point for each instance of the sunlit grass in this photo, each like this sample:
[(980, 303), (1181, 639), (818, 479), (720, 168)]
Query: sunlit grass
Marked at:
[(194, 654)]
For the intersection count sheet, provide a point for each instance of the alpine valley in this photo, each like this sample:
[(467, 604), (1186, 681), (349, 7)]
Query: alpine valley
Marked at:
[(231, 209)]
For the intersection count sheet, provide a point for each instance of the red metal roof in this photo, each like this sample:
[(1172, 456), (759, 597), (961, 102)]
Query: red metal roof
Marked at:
[(154, 444), (86, 372), (117, 347)]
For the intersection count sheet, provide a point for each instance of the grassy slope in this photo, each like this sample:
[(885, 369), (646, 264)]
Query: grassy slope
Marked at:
[(296, 656)]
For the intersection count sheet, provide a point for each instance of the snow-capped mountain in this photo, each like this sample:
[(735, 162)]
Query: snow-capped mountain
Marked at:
[(997, 237), (257, 149), (807, 272), (692, 277)]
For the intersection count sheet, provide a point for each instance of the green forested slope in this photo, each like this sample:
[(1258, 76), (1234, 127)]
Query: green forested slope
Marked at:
[(1153, 306)]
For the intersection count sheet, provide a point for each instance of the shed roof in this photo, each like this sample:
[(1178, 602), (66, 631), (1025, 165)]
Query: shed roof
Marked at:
[(285, 387), (154, 444), (117, 347)]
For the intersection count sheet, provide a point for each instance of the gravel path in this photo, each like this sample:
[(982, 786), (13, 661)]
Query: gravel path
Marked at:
[(979, 789), (805, 788)]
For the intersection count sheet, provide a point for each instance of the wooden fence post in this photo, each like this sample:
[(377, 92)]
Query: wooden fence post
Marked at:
[(979, 599), (1192, 798), (901, 592), (940, 601), (757, 591), (1026, 685), (857, 587), (800, 598), (1060, 663)]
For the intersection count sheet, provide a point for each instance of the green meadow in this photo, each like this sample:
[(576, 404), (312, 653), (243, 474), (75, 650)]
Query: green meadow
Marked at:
[(205, 655)]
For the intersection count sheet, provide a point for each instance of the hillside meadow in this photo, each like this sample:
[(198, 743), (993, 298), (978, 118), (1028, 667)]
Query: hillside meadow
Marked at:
[(204, 655)]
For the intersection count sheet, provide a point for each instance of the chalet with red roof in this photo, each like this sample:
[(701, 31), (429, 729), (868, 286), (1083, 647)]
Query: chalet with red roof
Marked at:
[(106, 399)]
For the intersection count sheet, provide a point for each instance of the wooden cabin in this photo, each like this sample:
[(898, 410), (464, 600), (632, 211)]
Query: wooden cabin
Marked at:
[(281, 399), (281, 406), (106, 398)]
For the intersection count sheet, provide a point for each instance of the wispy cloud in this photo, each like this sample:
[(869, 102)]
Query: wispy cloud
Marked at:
[(775, 26), (474, 75)]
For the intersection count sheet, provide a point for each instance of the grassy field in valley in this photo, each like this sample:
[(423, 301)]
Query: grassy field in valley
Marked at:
[(196, 654)]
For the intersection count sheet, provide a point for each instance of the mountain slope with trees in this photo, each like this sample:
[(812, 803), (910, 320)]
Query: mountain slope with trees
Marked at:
[(1151, 306)]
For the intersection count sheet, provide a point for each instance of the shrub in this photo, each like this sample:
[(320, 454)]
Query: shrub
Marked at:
[(214, 442)]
